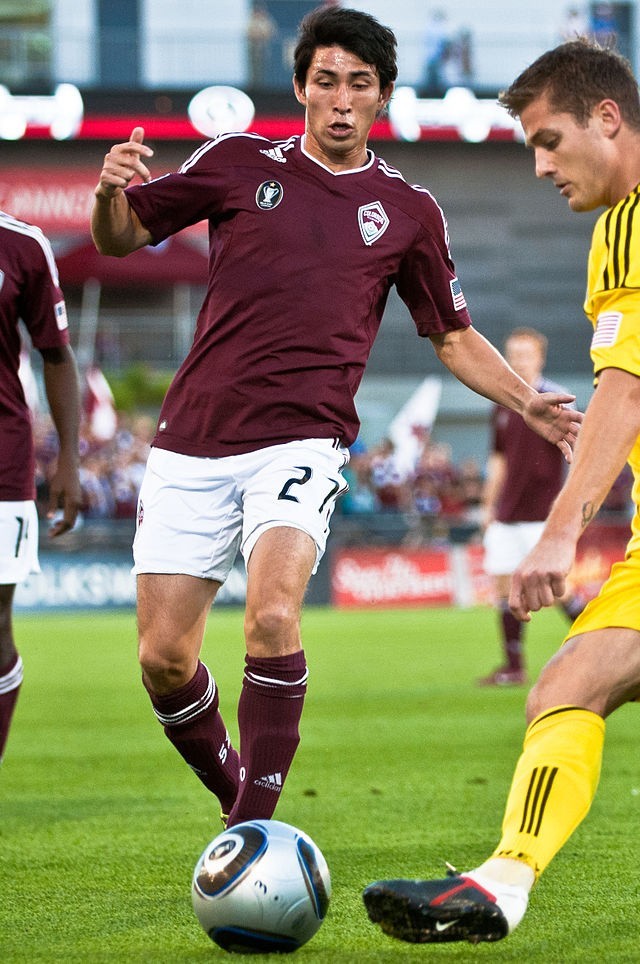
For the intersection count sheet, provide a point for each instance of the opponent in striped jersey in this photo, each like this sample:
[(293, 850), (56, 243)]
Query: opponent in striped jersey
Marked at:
[(307, 237), (580, 110), (29, 292)]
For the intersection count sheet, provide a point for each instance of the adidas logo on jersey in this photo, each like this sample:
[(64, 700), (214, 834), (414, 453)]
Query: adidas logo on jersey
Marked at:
[(275, 154), (272, 781)]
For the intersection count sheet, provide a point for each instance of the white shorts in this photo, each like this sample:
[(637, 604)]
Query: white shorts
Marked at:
[(507, 543), (195, 513), (18, 541)]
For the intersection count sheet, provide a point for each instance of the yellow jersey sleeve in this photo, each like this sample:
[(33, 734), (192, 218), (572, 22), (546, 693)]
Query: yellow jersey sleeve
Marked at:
[(612, 301)]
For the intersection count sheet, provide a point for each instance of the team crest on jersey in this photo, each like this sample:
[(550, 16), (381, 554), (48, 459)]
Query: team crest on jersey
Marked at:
[(269, 195), (373, 221)]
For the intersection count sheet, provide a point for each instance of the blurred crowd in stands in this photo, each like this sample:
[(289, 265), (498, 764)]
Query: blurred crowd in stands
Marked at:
[(433, 494), (111, 469)]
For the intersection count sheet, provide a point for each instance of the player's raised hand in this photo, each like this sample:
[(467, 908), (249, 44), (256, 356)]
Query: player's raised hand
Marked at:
[(546, 413), (123, 163)]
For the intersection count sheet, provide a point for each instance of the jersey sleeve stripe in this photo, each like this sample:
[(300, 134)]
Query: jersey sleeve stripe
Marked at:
[(31, 231)]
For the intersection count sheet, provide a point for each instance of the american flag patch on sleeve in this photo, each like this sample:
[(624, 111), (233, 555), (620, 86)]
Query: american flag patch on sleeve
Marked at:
[(607, 328), (457, 296)]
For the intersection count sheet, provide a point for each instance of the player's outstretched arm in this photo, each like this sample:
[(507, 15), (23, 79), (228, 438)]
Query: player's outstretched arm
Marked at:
[(610, 429), (478, 365), (115, 227)]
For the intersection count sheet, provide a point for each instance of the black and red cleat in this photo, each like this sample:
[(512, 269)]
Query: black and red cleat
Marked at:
[(433, 911)]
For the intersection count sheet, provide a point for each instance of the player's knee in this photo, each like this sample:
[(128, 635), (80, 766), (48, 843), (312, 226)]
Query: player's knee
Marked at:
[(267, 625), (162, 672)]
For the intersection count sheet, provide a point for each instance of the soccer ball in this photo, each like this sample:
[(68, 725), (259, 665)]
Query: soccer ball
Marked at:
[(261, 886)]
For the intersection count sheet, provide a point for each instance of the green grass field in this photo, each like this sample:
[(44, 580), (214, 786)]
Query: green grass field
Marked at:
[(404, 763)]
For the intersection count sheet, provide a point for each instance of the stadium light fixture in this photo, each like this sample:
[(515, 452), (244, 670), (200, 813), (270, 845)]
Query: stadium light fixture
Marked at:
[(61, 113), (221, 110), (473, 118)]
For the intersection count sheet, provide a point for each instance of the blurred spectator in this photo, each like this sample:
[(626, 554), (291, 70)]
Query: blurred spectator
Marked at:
[(437, 497), (97, 497), (576, 23), (389, 482), (471, 489), (436, 53), (360, 497), (447, 56), (604, 25), (261, 30)]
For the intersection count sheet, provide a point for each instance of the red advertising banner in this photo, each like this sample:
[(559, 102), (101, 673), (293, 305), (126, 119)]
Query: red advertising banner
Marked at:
[(454, 575), (388, 577), (56, 199)]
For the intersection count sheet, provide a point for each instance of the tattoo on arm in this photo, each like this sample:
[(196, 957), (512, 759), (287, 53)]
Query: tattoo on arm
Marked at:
[(588, 512)]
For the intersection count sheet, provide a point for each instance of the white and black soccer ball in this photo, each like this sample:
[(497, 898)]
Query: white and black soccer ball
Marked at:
[(262, 886)]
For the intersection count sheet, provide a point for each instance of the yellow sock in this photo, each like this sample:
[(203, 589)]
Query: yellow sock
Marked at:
[(553, 786)]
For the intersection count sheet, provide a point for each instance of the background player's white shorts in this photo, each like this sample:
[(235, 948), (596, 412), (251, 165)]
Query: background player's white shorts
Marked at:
[(195, 513), (507, 543), (18, 541)]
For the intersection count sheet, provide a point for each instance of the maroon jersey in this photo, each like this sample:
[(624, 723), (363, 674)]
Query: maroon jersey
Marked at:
[(301, 263), (29, 291), (535, 468)]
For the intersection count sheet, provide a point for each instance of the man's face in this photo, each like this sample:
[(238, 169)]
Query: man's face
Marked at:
[(526, 357), (342, 97), (576, 158)]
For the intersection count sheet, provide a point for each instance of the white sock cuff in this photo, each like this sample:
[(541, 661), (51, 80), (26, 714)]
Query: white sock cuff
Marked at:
[(12, 679)]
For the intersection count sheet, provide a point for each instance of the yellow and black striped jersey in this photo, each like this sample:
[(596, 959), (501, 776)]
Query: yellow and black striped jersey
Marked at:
[(613, 287), (612, 304)]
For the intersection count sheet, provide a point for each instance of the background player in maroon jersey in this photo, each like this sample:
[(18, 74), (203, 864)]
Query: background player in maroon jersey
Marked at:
[(307, 237), (524, 475), (29, 291)]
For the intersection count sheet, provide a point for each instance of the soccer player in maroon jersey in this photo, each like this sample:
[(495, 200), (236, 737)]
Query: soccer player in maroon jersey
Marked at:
[(29, 291), (307, 236), (524, 475)]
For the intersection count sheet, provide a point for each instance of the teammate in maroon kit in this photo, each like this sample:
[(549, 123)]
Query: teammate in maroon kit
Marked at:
[(29, 291), (307, 236), (524, 475)]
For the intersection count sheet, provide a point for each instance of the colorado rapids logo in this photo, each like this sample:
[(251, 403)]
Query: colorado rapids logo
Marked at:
[(373, 221), (269, 195)]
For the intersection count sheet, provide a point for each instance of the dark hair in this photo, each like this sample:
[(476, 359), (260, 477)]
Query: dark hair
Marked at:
[(359, 33), (576, 76)]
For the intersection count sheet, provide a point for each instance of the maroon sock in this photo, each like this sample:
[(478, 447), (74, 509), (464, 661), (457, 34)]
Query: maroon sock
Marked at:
[(194, 725), (269, 711), (10, 680), (511, 638)]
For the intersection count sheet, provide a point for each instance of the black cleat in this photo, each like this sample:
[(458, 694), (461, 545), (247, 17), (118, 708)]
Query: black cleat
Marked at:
[(433, 911)]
